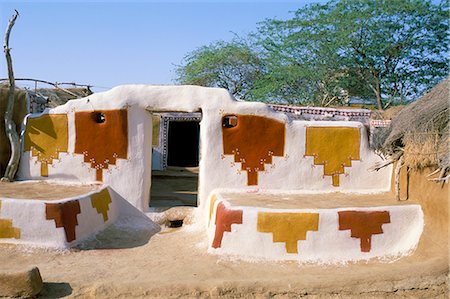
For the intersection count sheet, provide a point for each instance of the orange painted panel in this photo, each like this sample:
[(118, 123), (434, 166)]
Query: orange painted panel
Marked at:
[(363, 225), (65, 215), (46, 136), (334, 148), (224, 219), (101, 143), (288, 227), (253, 140)]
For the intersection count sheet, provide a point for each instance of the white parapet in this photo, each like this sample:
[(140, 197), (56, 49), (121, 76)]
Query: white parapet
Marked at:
[(61, 223), (320, 228)]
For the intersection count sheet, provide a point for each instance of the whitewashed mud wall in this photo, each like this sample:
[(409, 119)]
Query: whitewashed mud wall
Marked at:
[(324, 235), (59, 223), (68, 144), (277, 152)]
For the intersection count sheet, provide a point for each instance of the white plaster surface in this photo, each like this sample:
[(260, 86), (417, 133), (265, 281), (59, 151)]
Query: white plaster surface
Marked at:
[(328, 244), (130, 178), (30, 217)]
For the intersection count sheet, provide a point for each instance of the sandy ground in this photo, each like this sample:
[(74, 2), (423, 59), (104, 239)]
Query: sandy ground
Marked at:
[(43, 190), (136, 258)]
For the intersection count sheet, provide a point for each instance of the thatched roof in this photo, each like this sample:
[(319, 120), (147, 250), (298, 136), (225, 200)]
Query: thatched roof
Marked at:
[(58, 97), (420, 131)]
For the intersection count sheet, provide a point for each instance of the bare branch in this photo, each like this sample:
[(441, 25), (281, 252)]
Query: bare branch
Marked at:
[(395, 157), (10, 126)]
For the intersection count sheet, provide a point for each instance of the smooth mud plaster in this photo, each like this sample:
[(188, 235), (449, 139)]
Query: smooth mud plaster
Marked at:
[(253, 140), (225, 217), (6, 228), (363, 225), (100, 201), (46, 136), (334, 148), (101, 143), (288, 228), (65, 215)]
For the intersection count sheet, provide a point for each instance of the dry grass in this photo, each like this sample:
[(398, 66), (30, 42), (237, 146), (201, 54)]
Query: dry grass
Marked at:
[(421, 150), (420, 130)]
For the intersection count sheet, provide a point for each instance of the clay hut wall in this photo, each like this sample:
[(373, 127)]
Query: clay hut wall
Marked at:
[(20, 110)]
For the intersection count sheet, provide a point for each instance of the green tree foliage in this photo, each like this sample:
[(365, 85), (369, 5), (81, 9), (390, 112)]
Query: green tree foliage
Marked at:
[(386, 50), (230, 65)]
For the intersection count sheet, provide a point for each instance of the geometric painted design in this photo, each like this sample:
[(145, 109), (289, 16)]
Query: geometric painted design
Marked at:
[(65, 215), (100, 201), (156, 122), (334, 148), (46, 137), (212, 201), (6, 228), (101, 143), (288, 228), (363, 225), (224, 219), (253, 140)]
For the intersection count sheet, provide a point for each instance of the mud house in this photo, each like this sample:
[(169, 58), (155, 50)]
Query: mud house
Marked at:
[(271, 184)]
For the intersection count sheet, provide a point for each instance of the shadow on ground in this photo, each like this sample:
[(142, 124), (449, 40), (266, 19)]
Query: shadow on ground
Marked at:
[(55, 290), (126, 232)]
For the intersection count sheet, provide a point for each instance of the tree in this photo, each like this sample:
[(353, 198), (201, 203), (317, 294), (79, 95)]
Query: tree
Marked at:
[(384, 49), (231, 65), (10, 126)]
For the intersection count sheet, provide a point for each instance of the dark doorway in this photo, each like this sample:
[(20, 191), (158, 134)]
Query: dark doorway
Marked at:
[(183, 143)]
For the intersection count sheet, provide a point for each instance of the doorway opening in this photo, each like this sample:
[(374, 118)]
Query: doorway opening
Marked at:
[(176, 184), (183, 144)]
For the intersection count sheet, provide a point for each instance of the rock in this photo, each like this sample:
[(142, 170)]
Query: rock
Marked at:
[(20, 284)]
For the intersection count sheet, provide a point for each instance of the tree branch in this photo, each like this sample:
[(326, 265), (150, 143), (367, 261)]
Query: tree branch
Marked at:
[(10, 126)]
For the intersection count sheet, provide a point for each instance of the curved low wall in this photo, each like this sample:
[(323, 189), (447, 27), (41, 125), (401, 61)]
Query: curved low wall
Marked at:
[(303, 227), (56, 223)]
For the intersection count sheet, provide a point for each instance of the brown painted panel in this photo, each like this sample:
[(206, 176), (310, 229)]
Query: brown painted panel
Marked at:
[(363, 225), (101, 143), (253, 140), (65, 215), (224, 219)]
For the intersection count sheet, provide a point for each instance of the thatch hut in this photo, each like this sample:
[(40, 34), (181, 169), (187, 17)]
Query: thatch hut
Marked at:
[(20, 110), (418, 136), (26, 101), (57, 96)]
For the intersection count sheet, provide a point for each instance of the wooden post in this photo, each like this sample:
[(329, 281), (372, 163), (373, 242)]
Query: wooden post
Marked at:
[(10, 126), (398, 167)]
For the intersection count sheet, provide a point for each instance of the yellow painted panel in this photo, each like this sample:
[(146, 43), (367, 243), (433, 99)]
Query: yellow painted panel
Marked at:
[(156, 120), (7, 230), (288, 227), (100, 201), (212, 201), (46, 136), (334, 148)]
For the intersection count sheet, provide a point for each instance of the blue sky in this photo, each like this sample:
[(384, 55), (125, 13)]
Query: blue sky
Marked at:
[(108, 43)]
